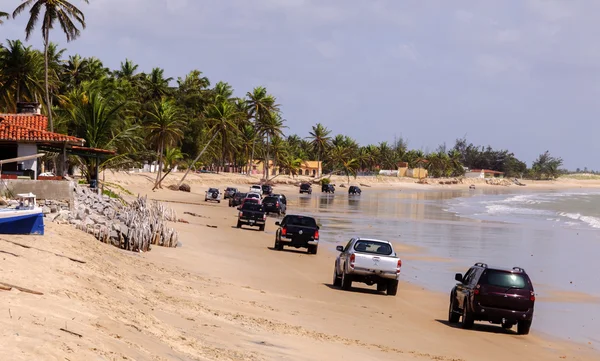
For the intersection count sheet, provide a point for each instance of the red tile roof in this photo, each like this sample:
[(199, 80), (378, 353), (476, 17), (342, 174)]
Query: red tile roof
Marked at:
[(30, 128)]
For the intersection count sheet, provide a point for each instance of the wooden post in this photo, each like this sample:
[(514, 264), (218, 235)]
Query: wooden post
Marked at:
[(64, 160), (97, 171)]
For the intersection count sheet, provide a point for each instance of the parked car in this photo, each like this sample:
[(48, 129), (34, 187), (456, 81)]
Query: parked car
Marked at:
[(212, 195), (230, 192), (267, 190), (354, 190), (237, 199), (328, 188), (274, 205), (305, 188), (252, 214), (299, 232), (502, 296), (256, 189), (369, 261)]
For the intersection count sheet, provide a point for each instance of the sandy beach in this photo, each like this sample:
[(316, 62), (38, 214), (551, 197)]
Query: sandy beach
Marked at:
[(226, 295)]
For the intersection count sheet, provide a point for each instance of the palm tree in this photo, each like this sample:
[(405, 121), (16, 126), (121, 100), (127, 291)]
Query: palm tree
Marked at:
[(222, 119), (261, 105), (341, 158), (21, 74), (127, 71), (55, 10), (156, 85), (164, 125), (270, 126), (3, 15), (320, 140), (99, 118)]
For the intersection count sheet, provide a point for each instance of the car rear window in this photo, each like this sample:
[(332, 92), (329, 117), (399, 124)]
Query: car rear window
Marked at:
[(305, 186), (270, 199), (504, 279), (250, 206), (373, 247), (301, 221), (213, 190)]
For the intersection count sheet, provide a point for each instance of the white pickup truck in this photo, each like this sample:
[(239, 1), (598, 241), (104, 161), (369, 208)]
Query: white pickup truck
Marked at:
[(369, 261)]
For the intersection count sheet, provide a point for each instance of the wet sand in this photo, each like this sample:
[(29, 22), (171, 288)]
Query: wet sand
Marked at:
[(224, 294)]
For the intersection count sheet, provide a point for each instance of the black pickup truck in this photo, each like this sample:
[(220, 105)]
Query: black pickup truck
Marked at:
[(299, 232), (252, 214)]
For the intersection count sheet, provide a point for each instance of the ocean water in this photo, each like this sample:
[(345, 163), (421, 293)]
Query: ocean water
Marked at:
[(555, 236)]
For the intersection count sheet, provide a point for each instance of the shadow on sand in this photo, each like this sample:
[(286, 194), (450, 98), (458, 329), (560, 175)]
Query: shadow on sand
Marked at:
[(289, 250), (355, 290), (480, 327)]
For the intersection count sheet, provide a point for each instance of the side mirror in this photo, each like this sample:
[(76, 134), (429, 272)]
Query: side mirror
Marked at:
[(277, 223), (458, 277), (339, 248)]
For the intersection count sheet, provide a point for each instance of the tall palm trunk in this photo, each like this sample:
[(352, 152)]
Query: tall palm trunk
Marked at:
[(160, 152), (267, 159), (197, 157), (48, 105)]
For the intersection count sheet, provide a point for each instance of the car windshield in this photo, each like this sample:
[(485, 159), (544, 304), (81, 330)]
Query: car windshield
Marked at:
[(231, 189), (240, 195), (504, 279), (266, 187), (374, 247), (255, 187), (252, 195), (301, 221), (250, 206)]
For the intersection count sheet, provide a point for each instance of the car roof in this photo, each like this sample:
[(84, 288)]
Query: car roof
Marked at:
[(372, 239), (299, 215), (501, 268)]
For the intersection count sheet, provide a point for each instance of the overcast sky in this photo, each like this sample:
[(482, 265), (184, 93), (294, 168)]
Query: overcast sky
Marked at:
[(517, 74)]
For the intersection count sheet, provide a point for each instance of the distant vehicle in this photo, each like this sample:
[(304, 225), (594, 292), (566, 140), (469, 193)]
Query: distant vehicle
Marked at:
[(252, 214), (299, 232), (249, 200), (212, 195), (502, 296), (253, 195), (267, 190), (354, 190), (369, 261), (230, 192), (305, 188), (256, 189), (328, 188), (274, 205), (236, 200)]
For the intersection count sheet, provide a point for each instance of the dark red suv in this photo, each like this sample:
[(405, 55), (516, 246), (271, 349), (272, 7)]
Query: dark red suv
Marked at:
[(502, 296)]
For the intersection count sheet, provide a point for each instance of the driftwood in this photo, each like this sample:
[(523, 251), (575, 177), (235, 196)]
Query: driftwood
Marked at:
[(195, 215), (71, 332), (4, 288), (22, 289), (39, 249), (10, 253)]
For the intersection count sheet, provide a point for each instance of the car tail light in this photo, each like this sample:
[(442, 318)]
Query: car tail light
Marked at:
[(398, 266), (476, 291), (241, 214), (352, 259), (532, 296), (317, 234), (283, 231), (265, 216), (277, 205)]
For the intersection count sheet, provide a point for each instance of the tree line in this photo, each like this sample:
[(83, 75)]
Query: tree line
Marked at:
[(195, 124)]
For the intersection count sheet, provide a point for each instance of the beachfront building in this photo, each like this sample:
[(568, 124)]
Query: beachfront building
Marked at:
[(26, 134), (311, 168), (483, 173)]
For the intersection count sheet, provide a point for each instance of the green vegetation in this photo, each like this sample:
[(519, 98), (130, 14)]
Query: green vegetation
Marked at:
[(144, 118)]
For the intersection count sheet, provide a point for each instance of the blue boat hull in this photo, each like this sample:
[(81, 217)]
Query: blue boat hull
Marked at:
[(22, 224)]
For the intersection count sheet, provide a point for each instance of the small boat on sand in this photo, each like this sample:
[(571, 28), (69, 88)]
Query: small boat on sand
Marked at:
[(25, 218)]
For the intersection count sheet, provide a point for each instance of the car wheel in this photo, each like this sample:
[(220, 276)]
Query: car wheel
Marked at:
[(467, 318), (346, 281), (312, 249), (453, 316), (261, 228), (381, 286), (392, 287), (337, 281), (507, 326), (239, 224), (523, 327), (218, 201)]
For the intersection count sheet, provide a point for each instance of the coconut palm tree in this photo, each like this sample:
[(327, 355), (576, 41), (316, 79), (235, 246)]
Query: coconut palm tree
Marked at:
[(99, 117), (21, 74), (164, 125), (54, 10), (261, 105), (3, 15), (155, 85), (320, 140), (341, 158), (222, 119)]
